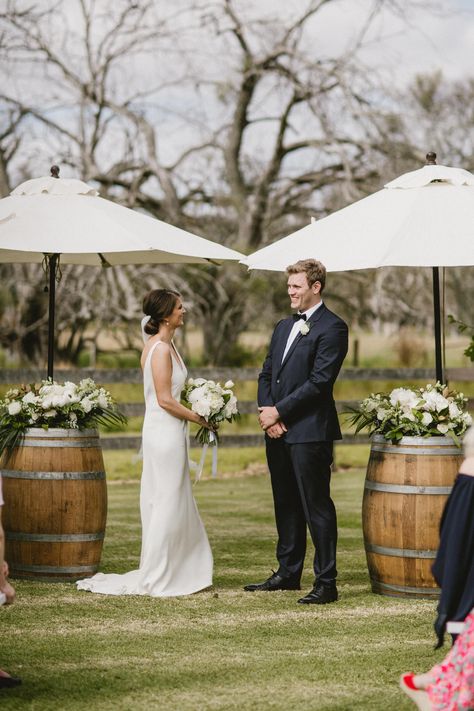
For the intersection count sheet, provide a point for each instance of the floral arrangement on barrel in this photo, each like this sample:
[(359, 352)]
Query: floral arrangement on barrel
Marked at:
[(51, 404), (433, 411), (212, 401)]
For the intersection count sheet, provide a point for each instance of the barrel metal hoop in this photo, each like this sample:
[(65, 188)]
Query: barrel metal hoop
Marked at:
[(399, 552), (81, 444), (52, 569), (53, 537), (397, 449), (58, 476), (406, 588), (56, 432), (407, 488)]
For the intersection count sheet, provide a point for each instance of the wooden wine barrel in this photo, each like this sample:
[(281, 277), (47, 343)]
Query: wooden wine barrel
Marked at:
[(406, 488), (55, 505)]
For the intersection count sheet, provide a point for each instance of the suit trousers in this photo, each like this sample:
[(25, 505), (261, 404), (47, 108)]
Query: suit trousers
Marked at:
[(301, 476)]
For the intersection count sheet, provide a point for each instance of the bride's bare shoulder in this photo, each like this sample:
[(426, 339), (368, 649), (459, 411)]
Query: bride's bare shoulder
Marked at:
[(162, 350)]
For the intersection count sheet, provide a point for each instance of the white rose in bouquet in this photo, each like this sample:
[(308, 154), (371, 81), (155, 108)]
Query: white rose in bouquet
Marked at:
[(14, 408), (212, 402)]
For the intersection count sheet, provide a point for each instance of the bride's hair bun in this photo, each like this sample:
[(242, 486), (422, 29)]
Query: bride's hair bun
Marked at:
[(158, 304)]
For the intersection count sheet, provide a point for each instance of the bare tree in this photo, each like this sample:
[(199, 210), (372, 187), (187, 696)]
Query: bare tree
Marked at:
[(222, 120)]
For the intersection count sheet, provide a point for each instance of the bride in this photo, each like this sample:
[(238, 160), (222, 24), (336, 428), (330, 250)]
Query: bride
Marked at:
[(176, 558)]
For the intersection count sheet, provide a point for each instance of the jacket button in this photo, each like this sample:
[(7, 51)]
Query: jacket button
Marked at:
[(278, 381)]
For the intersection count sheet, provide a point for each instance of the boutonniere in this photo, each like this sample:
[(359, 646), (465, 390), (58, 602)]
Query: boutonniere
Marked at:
[(304, 328)]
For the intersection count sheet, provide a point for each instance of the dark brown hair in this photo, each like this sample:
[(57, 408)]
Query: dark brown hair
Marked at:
[(314, 270), (158, 304)]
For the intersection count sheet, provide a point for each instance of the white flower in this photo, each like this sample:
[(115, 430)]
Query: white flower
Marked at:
[(426, 419), (304, 328), (467, 419), (50, 413), (381, 413), (404, 397), (190, 381), (434, 401), (229, 384), (86, 404), (231, 407), (33, 417), (370, 405), (14, 408), (196, 394), (30, 398), (442, 428), (454, 410), (103, 402)]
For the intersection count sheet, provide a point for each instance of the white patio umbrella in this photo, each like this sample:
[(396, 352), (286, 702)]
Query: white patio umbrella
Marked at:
[(46, 220), (424, 218)]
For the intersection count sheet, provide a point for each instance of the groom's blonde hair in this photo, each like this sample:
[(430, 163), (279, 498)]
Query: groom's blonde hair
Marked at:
[(314, 270)]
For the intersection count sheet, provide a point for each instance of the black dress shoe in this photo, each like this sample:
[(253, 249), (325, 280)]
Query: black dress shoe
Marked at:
[(274, 582), (7, 682), (320, 595)]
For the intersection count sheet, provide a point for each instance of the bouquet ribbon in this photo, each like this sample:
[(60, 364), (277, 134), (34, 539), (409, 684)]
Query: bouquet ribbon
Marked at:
[(198, 468), (212, 443)]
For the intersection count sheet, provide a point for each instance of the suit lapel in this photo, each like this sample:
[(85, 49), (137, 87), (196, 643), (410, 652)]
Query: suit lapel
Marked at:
[(280, 346)]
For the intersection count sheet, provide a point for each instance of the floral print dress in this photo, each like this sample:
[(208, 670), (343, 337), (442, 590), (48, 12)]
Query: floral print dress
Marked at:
[(453, 688)]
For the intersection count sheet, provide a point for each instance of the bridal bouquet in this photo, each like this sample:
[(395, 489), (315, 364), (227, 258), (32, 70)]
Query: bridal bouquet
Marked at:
[(212, 401), (50, 404), (432, 411)]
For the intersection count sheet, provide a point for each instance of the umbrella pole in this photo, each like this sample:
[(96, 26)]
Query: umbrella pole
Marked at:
[(437, 326), (53, 260)]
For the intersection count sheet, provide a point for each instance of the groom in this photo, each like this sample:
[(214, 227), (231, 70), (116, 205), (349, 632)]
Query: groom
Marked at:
[(298, 414)]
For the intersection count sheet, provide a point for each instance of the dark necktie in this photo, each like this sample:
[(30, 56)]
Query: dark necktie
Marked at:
[(296, 317)]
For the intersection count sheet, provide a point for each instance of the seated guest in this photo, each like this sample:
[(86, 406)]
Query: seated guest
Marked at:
[(450, 685), (7, 594)]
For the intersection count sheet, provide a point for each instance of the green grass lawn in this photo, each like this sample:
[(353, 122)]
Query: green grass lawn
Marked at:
[(222, 648)]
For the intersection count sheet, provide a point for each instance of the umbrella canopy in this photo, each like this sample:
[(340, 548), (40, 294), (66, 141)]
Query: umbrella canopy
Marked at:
[(67, 217), (46, 220), (424, 218)]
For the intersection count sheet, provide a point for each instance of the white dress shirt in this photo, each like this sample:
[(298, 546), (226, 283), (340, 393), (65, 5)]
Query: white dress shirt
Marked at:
[(296, 327)]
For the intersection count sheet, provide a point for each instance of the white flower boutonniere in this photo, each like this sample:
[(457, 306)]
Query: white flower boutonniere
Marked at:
[(304, 328)]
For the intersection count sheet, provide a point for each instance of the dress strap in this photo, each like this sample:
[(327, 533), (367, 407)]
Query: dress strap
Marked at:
[(148, 357)]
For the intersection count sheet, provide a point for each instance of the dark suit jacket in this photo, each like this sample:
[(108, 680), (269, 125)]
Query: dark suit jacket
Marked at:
[(453, 568), (301, 387)]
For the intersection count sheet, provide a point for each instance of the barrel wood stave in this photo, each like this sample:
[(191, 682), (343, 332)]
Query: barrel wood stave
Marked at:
[(56, 505), (406, 488)]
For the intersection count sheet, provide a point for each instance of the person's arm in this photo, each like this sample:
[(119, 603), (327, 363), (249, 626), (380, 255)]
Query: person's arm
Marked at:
[(264, 395), (5, 587), (332, 349), (162, 369)]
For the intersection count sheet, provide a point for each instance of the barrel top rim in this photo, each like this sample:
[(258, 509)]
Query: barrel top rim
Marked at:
[(441, 441), (60, 432)]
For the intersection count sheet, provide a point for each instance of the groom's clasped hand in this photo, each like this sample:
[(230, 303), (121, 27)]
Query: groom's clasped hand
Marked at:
[(298, 415)]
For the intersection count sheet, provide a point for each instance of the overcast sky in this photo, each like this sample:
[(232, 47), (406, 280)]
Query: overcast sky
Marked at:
[(422, 42)]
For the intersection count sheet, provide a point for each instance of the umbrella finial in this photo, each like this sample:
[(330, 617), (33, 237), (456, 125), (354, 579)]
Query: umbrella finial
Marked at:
[(431, 158), (55, 171)]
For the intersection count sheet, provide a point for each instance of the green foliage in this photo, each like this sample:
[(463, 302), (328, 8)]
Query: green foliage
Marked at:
[(462, 328)]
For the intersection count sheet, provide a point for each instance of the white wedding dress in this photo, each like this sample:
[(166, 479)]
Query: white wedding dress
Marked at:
[(176, 558)]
